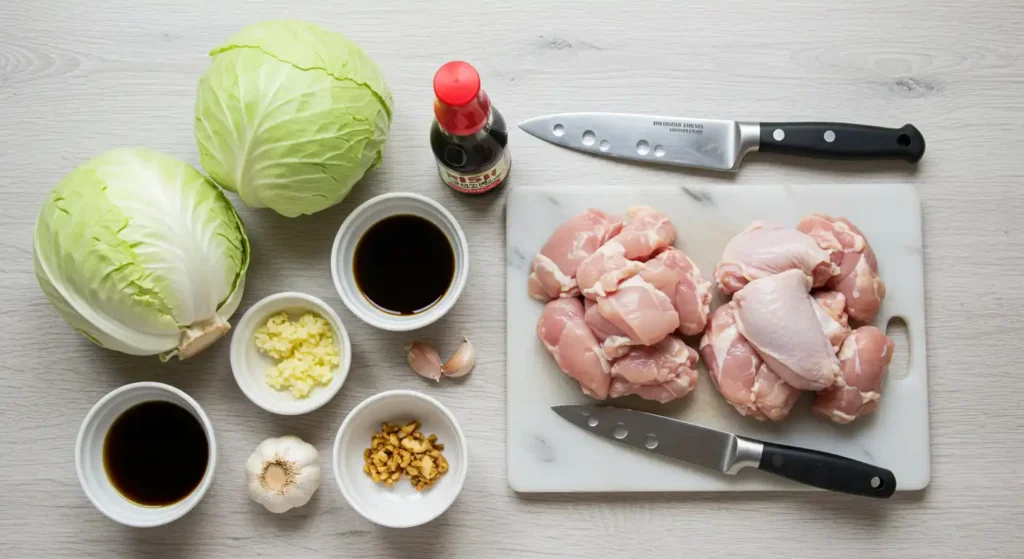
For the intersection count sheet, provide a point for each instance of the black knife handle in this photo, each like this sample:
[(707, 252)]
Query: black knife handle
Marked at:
[(827, 471), (837, 140)]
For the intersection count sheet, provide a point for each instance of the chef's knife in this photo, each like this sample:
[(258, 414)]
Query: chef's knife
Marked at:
[(720, 144), (728, 453)]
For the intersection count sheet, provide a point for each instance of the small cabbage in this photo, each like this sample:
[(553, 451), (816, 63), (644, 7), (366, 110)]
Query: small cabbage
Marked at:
[(141, 254), (290, 116)]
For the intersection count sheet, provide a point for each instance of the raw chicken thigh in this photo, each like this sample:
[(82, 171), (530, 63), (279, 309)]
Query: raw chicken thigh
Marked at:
[(553, 271), (776, 315), (562, 331), (647, 231), (774, 397), (831, 313), (663, 372), (863, 360), (638, 291), (614, 343), (675, 275), (764, 250), (834, 305), (639, 312), (787, 328), (738, 372), (858, 269)]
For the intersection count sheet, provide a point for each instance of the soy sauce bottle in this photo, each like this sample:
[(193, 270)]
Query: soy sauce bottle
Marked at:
[(469, 137)]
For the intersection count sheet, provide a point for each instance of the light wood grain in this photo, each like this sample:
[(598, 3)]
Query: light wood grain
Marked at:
[(79, 77)]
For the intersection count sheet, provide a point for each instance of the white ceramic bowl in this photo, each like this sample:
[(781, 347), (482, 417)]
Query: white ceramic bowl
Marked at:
[(364, 217), (89, 455), (400, 506), (249, 364)]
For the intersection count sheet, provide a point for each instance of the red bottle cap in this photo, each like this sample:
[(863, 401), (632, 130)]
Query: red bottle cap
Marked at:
[(461, 107)]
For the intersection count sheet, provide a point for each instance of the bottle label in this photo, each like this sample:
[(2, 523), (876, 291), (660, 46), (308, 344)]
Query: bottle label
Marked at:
[(476, 183)]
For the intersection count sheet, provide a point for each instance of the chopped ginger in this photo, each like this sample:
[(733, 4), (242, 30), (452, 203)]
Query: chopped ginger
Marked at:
[(306, 349), (399, 449)]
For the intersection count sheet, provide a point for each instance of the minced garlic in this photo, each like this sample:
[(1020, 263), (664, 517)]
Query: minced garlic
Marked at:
[(306, 349)]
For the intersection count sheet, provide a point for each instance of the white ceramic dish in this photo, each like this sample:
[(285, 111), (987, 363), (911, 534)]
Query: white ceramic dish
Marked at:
[(249, 365), (400, 506), (89, 455), (369, 213)]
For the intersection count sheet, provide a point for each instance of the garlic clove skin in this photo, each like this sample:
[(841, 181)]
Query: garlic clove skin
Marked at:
[(424, 360), (283, 473), (461, 362)]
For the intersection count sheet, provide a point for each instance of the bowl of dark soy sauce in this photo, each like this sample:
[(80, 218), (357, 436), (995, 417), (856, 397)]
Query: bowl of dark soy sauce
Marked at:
[(145, 454), (400, 261)]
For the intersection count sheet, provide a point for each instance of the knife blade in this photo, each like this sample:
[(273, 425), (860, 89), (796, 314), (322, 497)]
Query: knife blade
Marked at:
[(727, 452), (720, 144)]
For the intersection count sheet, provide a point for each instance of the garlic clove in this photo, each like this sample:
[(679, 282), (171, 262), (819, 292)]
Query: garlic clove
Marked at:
[(424, 360), (461, 362)]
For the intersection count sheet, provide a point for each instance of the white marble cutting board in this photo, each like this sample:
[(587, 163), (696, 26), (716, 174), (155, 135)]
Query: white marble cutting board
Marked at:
[(547, 454)]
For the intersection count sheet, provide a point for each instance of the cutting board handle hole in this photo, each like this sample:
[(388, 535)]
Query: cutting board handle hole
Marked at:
[(896, 329)]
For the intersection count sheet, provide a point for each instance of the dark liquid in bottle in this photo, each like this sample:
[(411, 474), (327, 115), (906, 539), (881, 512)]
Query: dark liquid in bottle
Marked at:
[(404, 264), (469, 137), (156, 453), (472, 154)]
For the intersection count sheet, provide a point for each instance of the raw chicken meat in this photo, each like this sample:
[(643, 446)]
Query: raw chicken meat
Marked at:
[(863, 288), (738, 372), (663, 372), (553, 271), (831, 313), (646, 232), (675, 275), (764, 250), (863, 360), (858, 268), (640, 312), (776, 315), (639, 291), (732, 363), (832, 236), (614, 343), (834, 304), (576, 351), (774, 397)]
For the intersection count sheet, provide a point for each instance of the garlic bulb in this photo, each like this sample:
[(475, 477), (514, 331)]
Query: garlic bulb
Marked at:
[(461, 362), (283, 473), (424, 360)]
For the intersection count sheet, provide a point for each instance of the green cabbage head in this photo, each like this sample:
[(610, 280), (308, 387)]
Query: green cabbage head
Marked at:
[(141, 253), (290, 116)]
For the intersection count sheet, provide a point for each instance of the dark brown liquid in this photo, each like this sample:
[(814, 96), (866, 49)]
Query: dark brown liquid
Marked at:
[(404, 264), (156, 453), (474, 153)]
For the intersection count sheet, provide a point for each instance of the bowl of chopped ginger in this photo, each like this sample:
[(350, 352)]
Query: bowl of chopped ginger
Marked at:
[(400, 458), (290, 353)]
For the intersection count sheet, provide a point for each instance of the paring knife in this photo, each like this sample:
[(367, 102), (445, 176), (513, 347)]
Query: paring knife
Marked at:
[(729, 453), (720, 144)]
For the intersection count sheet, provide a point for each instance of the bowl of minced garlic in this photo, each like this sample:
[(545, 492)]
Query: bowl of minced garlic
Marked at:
[(290, 353), (305, 351)]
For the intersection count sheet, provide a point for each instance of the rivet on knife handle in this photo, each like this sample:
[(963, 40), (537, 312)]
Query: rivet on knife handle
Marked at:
[(837, 140), (827, 471)]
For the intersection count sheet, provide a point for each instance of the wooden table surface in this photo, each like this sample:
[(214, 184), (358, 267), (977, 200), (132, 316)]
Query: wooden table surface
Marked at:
[(77, 78)]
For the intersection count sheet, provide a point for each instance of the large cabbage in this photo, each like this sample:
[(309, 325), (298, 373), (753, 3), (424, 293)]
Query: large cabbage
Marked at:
[(141, 253), (290, 116)]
